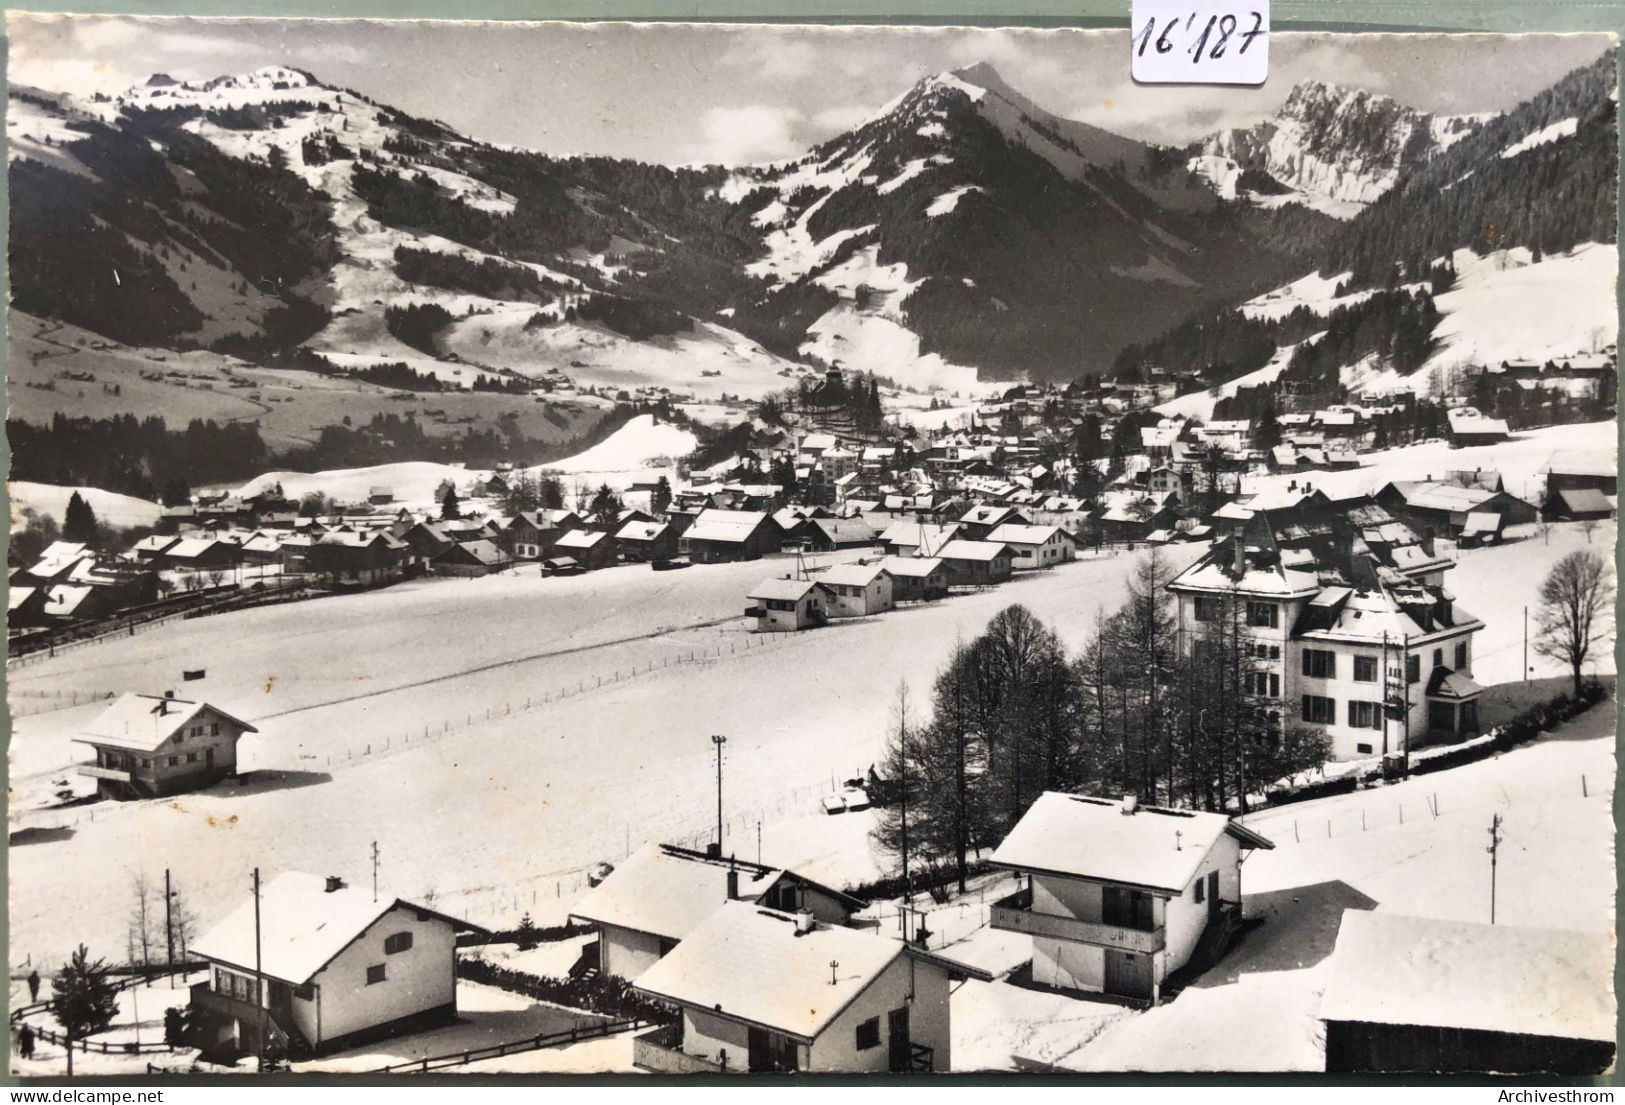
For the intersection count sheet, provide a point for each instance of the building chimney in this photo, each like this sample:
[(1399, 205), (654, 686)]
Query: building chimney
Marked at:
[(1239, 555), (1130, 804), (733, 884), (804, 921), (334, 883), (169, 694)]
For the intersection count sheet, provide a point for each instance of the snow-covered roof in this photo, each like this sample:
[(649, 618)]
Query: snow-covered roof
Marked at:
[(640, 531), (747, 963), (190, 548), (922, 535), (580, 539), (913, 567), (302, 926), (1391, 969), (972, 550), (715, 524), (852, 575), (1012, 534), (1442, 496), (1092, 838), (1465, 420), (1482, 521), (785, 590), (57, 558), (667, 892), (142, 722), (1581, 462), (1584, 500)]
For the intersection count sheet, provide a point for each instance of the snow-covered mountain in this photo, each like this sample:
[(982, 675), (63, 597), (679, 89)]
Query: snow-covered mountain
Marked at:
[(1330, 148)]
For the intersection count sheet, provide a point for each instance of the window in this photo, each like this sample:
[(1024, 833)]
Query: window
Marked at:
[(1365, 715), (191, 757), (397, 942), (173, 760), (1365, 669), (1438, 657), (180, 737), (1263, 683), (1201, 892), (146, 761), (1461, 655), (1362, 748), (1207, 608), (1413, 669), (214, 729), (1319, 664), (869, 1034), (1264, 615), (376, 973), (1318, 709)]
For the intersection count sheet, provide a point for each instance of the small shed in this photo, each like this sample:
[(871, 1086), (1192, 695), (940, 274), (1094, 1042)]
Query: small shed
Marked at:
[(1422, 995)]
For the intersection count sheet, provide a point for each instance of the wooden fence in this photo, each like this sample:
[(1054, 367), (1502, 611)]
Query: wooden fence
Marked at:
[(512, 1047)]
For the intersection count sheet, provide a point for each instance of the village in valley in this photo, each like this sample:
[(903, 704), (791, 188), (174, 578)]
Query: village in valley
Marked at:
[(1141, 718)]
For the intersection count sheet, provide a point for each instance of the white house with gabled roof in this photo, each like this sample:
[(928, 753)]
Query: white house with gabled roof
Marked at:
[(325, 967), (857, 590), (1121, 895), (1035, 546), (764, 990)]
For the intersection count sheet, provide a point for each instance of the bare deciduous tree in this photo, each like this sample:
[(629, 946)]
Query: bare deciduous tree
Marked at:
[(1576, 601)]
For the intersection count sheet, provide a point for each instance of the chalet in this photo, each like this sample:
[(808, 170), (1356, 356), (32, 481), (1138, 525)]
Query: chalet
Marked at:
[(979, 521), (907, 537), (1445, 508), (764, 990), (1036, 546), (75, 602), (322, 966), (56, 562), (1469, 427), (198, 554), (718, 536), (148, 746), (471, 558), (1582, 469), (1428, 996), (646, 541), (592, 549), (857, 590), (1120, 895), (792, 526), (829, 534), (26, 609), (530, 534), (653, 900), (152, 547), (359, 559), (916, 578), (261, 550), (1349, 628), (976, 563), (785, 605), (380, 496)]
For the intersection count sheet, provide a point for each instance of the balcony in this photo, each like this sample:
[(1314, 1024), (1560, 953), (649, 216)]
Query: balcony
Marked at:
[(1016, 914), (660, 1052), (111, 774), (210, 1000)]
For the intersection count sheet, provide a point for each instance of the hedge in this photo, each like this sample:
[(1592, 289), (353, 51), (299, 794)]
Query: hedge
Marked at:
[(600, 994)]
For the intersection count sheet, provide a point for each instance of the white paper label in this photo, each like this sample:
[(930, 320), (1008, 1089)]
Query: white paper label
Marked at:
[(1201, 41)]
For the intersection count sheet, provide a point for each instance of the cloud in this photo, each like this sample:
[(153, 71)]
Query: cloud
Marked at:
[(746, 134), (833, 120)]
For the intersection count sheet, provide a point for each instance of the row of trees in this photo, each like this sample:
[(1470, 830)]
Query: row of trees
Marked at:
[(1134, 711)]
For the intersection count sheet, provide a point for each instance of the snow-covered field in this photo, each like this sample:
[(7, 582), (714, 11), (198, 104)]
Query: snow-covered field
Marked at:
[(111, 508), (496, 816), (1200, 404)]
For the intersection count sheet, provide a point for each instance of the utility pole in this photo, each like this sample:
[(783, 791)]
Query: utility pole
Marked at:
[(1526, 644), (375, 870), (1495, 843), (169, 929), (259, 977), (719, 741)]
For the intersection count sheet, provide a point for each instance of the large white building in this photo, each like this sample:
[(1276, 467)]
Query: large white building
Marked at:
[(1347, 625)]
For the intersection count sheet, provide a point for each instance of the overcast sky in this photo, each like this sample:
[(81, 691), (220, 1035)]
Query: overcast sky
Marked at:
[(679, 93)]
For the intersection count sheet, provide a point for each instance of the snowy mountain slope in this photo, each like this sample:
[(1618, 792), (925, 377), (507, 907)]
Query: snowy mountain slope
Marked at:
[(912, 239), (1329, 148)]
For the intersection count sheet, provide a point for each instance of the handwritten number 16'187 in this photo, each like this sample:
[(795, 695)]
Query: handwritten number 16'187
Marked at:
[(1212, 42)]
